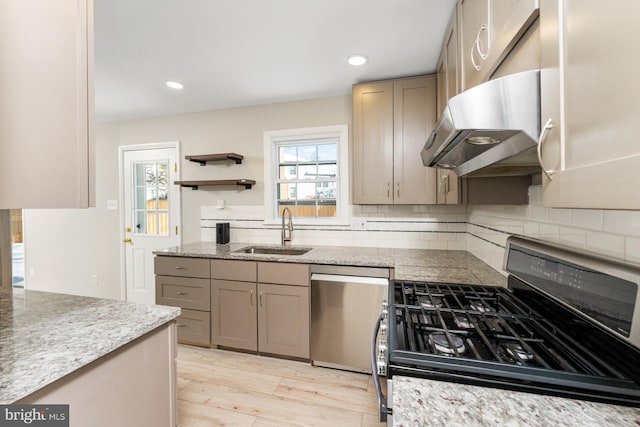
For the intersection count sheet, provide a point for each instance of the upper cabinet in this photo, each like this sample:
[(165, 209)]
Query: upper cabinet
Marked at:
[(391, 121), (489, 29), (46, 104), (590, 104)]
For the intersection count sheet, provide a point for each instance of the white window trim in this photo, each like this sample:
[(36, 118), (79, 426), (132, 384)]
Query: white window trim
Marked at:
[(270, 171)]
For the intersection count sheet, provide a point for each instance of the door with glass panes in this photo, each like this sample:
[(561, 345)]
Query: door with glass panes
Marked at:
[(151, 215)]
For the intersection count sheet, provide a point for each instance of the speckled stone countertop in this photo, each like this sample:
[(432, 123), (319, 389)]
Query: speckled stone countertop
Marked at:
[(421, 402), (45, 336), (408, 264)]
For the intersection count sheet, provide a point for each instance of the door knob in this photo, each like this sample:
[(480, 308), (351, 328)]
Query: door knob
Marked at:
[(128, 241)]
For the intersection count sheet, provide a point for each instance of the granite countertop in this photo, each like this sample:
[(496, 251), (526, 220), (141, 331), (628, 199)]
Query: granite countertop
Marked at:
[(420, 402), (408, 264), (45, 336)]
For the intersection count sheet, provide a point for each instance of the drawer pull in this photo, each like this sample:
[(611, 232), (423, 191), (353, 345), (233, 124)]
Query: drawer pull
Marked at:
[(251, 297), (182, 293), (181, 268), (181, 325)]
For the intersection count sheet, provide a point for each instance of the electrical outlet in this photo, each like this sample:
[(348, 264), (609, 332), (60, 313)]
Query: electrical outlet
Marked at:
[(32, 271), (112, 205), (94, 279)]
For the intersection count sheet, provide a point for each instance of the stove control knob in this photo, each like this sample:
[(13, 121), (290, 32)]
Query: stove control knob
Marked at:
[(382, 348), (385, 310)]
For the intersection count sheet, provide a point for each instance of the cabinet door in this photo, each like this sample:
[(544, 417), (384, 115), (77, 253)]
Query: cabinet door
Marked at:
[(283, 316), (452, 57), (476, 40), (233, 314), (373, 143), (46, 104), (414, 116), (589, 91), (442, 95)]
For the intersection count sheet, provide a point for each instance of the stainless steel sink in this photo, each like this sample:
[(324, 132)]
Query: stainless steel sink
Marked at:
[(273, 250)]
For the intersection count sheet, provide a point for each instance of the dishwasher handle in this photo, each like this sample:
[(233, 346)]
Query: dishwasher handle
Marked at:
[(318, 277), (382, 399)]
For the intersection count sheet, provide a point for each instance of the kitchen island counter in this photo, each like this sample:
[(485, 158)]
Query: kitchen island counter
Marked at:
[(408, 264), (46, 336), (421, 402)]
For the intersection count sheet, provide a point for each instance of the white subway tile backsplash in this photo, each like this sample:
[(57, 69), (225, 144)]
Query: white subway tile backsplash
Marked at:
[(482, 230), (587, 218), (606, 244), (573, 237), (622, 222), (632, 250), (560, 216)]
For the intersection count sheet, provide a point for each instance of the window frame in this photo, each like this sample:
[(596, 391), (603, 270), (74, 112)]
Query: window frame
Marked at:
[(272, 139)]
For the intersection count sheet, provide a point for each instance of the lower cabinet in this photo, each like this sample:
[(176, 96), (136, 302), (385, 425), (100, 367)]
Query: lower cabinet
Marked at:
[(184, 282), (264, 317), (283, 320), (234, 320)]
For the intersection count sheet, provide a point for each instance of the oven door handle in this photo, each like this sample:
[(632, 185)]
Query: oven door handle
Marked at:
[(382, 399)]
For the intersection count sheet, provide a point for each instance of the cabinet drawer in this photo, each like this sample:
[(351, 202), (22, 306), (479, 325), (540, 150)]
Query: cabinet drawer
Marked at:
[(193, 327), (181, 266), (283, 273), (185, 292), (244, 271)]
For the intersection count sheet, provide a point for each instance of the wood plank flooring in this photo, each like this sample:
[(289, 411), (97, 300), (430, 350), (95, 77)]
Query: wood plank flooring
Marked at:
[(224, 388)]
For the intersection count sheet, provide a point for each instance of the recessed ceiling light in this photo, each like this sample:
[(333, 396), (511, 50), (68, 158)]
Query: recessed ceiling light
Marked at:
[(174, 85), (358, 59)]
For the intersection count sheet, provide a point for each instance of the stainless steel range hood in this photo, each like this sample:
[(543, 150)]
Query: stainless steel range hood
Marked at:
[(489, 130)]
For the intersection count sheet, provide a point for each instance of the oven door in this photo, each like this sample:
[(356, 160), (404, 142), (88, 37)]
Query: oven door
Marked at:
[(379, 361)]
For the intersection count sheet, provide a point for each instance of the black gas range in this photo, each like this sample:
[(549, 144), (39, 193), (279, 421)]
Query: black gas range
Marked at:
[(564, 326)]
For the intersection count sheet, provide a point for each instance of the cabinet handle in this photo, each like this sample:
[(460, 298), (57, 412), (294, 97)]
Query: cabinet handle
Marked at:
[(398, 189), (260, 298), (251, 297), (473, 59), (444, 183), (181, 325), (388, 189), (483, 27), (181, 268), (543, 136), (182, 293)]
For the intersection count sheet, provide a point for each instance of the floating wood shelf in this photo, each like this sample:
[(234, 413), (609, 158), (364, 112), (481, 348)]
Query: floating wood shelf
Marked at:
[(246, 183), (204, 158)]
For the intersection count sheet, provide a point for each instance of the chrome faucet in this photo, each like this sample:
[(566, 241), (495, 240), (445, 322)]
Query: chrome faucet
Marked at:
[(286, 238)]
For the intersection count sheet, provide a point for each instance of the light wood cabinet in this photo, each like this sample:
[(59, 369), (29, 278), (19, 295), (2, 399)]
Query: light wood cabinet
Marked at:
[(268, 314), (490, 29), (476, 41), (185, 282), (283, 320), (234, 320), (589, 94), (46, 104), (448, 85), (392, 120)]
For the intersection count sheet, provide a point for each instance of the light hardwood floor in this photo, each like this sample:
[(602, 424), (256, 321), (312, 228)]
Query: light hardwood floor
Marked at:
[(224, 388)]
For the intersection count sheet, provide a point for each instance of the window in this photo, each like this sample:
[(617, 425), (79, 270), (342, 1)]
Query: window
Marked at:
[(151, 204), (306, 172)]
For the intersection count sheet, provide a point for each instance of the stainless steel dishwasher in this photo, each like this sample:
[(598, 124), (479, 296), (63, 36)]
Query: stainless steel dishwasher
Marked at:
[(345, 303)]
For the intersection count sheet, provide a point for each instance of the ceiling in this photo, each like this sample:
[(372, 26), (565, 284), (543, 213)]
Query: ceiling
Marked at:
[(232, 53)]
